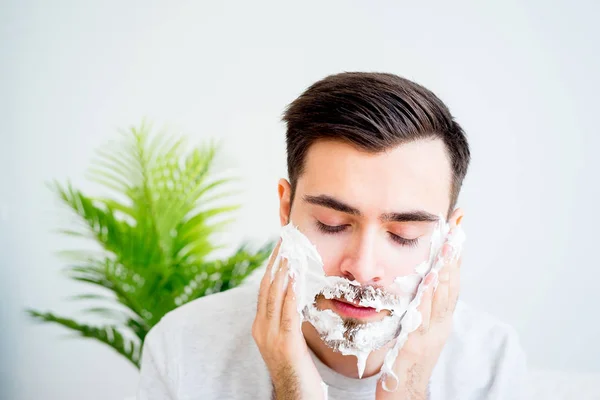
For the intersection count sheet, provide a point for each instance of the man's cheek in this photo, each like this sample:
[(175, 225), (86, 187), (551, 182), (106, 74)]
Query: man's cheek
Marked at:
[(331, 249), (332, 259), (406, 264), (403, 260)]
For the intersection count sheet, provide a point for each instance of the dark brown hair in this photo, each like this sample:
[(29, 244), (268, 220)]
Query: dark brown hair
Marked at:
[(374, 112)]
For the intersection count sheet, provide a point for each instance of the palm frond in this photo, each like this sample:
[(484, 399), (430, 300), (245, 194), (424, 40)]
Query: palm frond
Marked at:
[(109, 335), (155, 225)]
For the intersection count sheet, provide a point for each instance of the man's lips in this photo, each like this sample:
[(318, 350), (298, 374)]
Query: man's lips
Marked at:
[(352, 310)]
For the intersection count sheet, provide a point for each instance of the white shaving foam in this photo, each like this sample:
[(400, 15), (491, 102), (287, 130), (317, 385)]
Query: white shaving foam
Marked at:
[(306, 267), (412, 319)]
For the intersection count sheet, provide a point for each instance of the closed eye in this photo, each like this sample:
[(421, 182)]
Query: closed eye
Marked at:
[(330, 228), (333, 229), (403, 241)]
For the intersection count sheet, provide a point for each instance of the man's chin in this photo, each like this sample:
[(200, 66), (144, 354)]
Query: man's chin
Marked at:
[(350, 335)]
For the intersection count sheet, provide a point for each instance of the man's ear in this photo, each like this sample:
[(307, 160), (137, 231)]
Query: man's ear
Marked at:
[(285, 201), (456, 218)]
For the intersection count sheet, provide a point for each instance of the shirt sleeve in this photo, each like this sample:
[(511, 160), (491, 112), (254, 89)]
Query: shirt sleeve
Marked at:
[(155, 383)]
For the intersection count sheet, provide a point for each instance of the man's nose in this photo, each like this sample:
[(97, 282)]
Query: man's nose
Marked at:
[(360, 261)]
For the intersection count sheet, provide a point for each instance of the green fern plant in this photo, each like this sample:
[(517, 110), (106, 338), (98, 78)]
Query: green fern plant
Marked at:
[(154, 235)]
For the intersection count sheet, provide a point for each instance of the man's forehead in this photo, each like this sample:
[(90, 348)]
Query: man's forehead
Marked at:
[(427, 153), (411, 176)]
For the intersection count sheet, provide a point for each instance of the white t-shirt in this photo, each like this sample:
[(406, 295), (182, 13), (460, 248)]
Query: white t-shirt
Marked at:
[(205, 350)]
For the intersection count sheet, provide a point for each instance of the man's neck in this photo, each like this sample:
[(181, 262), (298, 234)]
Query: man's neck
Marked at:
[(344, 365)]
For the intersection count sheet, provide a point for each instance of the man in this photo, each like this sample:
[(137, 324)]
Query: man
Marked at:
[(373, 159)]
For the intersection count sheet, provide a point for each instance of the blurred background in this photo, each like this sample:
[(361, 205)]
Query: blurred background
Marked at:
[(521, 77)]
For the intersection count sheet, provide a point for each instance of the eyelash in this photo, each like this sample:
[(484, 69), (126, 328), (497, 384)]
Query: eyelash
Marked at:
[(332, 230)]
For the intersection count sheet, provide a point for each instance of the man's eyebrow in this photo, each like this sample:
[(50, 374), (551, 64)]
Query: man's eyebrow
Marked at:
[(408, 216), (330, 202)]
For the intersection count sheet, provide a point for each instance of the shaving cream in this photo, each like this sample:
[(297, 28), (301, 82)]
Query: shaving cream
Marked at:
[(306, 267)]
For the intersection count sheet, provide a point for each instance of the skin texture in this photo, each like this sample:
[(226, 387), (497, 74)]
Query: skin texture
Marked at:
[(377, 239)]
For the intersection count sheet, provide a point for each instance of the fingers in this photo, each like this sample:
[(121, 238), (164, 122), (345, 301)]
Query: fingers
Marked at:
[(290, 320), (426, 303), (265, 282), (453, 265), (446, 294), (440, 306), (275, 297)]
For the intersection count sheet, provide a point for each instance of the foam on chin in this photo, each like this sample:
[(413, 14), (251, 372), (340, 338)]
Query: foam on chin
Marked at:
[(365, 339), (306, 266)]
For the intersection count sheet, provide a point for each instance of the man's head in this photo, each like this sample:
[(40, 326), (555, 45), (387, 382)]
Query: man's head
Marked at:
[(373, 159), (374, 112)]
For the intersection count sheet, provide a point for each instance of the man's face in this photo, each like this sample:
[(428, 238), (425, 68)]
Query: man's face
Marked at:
[(370, 216)]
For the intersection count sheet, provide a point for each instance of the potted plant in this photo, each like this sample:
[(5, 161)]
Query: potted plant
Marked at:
[(153, 233)]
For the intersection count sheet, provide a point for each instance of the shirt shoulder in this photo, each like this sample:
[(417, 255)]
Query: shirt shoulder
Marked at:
[(482, 358), (206, 342), (213, 311), (213, 322), (481, 327)]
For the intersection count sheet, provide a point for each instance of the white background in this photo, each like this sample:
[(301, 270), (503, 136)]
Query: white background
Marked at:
[(521, 78)]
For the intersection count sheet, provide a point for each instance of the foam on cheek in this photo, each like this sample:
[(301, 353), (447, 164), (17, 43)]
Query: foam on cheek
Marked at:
[(413, 318), (306, 266), (408, 283)]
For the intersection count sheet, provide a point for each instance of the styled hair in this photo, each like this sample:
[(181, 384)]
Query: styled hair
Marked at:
[(373, 112)]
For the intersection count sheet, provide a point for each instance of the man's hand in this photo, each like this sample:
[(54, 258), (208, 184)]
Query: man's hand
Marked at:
[(419, 355), (276, 331)]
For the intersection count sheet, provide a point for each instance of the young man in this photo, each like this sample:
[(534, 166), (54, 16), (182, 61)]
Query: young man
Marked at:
[(373, 159)]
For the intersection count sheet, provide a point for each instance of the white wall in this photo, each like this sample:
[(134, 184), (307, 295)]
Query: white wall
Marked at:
[(522, 79)]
